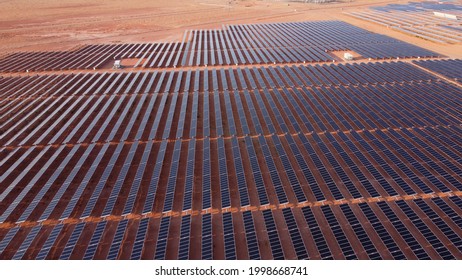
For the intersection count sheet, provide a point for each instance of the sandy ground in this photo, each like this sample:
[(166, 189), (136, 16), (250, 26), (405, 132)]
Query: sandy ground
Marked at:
[(54, 25)]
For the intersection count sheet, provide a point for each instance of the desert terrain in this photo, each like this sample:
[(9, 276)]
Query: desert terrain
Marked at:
[(38, 25)]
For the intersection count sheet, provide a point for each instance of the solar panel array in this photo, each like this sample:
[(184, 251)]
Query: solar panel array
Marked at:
[(299, 42), (451, 68), (247, 44), (86, 57), (419, 20), (331, 161)]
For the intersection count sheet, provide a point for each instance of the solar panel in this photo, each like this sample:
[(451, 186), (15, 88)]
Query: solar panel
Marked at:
[(425, 231), (360, 232), (27, 242), (181, 121), (189, 178), (251, 236), (218, 118), (151, 194), (207, 248), (171, 185), (241, 112), (199, 49), (439, 223), (223, 173), (7, 238), (257, 174), (131, 198), (102, 182), (171, 112), (46, 247), (276, 247), (158, 117), (240, 175), (320, 166), (317, 234), (194, 112), (339, 233), (183, 247), (206, 175), (384, 235), (38, 197), (95, 240), (295, 235), (139, 239), (108, 119), (117, 240), (70, 245), (42, 109), (264, 111), (134, 117), (110, 203), (32, 183), (206, 115), (228, 235), (415, 246)]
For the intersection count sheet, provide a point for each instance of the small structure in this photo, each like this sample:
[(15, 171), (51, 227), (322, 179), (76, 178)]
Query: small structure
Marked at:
[(348, 56), (117, 65), (446, 16)]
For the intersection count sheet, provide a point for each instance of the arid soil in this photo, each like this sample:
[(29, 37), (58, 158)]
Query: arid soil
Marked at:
[(38, 25)]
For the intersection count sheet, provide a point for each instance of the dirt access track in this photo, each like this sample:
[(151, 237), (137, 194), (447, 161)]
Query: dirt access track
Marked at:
[(39, 25)]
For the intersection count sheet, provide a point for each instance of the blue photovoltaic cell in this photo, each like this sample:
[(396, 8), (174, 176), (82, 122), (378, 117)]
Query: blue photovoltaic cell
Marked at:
[(162, 239), (117, 240), (110, 203), (206, 175), (189, 177), (95, 240), (339, 234), (207, 249), (382, 232), (440, 223), (256, 171), (361, 234), (46, 247), (240, 175), (131, 199), (251, 236), (317, 234), (183, 247), (295, 235), (140, 239), (7, 238), (228, 235), (171, 184), (150, 196), (69, 248), (26, 243), (223, 173), (275, 242), (102, 182), (414, 245), (425, 231)]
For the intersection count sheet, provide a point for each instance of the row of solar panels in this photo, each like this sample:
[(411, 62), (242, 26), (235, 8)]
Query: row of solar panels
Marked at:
[(451, 68), (424, 25), (151, 82), (295, 42), (111, 118), (413, 229), (104, 179), (290, 43), (87, 57)]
